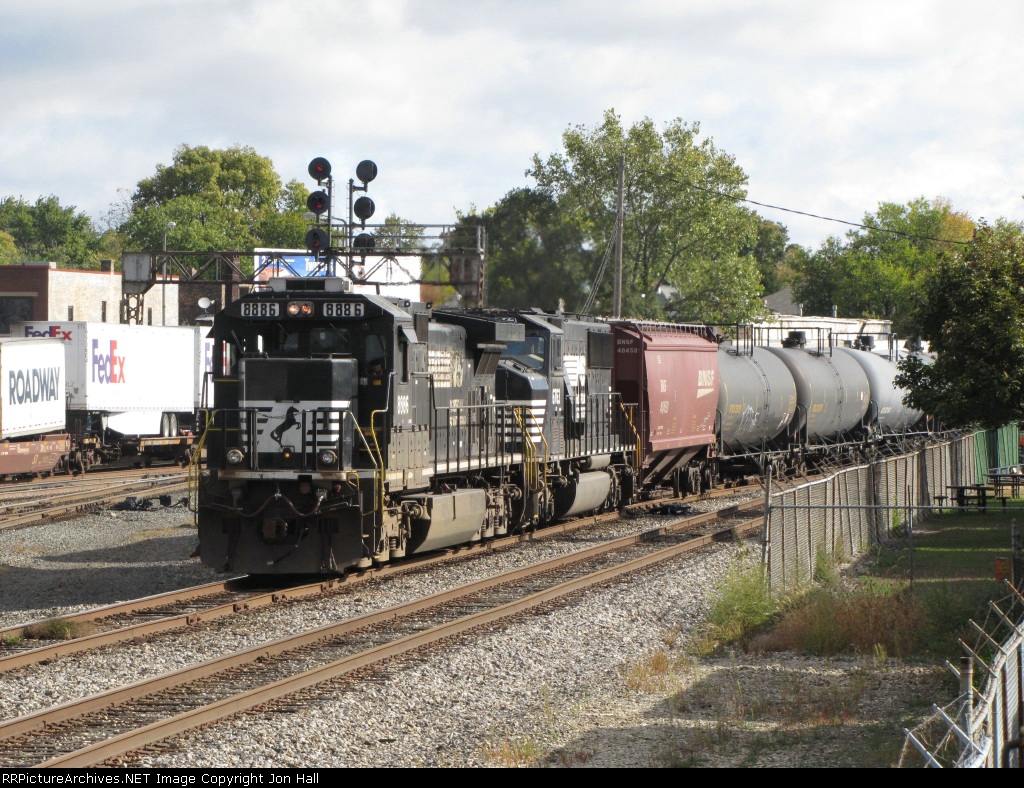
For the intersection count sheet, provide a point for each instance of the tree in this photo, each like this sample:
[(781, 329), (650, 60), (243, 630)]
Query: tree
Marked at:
[(218, 200), (46, 231), (8, 249), (680, 204), (881, 270), (769, 250), (531, 245), (973, 317)]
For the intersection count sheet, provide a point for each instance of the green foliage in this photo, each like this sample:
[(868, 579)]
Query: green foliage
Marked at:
[(218, 200), (53, 629), (882, 270), (743, 606), (770, 252), (826, 573), (531, 245), (681, 213), (45, 231), (8, 249), (973, 316)]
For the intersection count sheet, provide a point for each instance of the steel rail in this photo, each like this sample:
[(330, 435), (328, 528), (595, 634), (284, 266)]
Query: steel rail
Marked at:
[(133, 740), (256, 600), (82, 503)]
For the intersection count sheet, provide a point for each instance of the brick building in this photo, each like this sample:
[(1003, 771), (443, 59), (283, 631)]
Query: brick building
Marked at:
[(41, 291)]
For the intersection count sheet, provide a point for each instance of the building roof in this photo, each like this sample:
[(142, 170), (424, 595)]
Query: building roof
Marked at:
[(782, 303)]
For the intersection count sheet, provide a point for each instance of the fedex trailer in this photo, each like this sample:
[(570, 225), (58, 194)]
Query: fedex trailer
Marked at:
[(134, 380)]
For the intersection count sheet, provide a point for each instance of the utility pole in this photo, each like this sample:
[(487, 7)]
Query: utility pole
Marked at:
[(617, 313)]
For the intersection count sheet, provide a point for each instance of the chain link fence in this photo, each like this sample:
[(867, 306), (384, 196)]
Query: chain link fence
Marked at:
[(855, 509)]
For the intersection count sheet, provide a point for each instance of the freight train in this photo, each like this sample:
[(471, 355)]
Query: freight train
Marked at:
[(351, 429), (79, 394)]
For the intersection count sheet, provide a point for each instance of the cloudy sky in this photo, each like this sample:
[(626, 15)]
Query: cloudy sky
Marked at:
[(829, 106)]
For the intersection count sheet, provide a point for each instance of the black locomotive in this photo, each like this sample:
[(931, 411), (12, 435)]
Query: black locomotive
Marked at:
[(350, 429)]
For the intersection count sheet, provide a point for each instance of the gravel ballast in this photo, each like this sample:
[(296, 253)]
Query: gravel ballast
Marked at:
[(572, 687)]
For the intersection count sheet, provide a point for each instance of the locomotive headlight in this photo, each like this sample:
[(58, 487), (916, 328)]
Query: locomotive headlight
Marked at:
[(328, 457), (234, 456), (300, 308)]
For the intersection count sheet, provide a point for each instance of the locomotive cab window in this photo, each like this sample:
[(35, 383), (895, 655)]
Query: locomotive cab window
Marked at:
[(375, 355), (530, 352), (403, 363), (556, 353)]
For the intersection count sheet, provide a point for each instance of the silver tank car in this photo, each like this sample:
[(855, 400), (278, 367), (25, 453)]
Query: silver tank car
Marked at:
[(756, 397), (832, 390), (887, 409)]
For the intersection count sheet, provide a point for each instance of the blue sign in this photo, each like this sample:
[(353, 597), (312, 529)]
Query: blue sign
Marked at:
[(286, 262)]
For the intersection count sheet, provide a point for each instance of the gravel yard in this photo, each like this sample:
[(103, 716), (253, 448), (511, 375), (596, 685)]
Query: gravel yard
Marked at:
[(583, 686)]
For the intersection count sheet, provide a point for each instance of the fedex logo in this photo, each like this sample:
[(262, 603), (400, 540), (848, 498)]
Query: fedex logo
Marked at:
[(107, 368), (52, 331)]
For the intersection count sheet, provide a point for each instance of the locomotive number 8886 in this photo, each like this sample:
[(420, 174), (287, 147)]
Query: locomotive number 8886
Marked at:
[(349, 429)]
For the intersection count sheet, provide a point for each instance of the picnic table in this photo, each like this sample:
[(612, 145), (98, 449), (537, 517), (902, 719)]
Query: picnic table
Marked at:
[(1007, 482), (977, 495)]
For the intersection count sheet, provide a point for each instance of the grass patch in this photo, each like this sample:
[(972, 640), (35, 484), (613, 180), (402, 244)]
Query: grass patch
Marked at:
[(884, 625), (54, 629), (743, 606), (512, 754), (914, 600)]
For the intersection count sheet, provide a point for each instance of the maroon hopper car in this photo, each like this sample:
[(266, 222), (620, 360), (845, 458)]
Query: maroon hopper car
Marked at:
[(671, 370)]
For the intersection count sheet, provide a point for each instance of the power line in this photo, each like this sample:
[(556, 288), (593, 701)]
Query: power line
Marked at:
[(826, 218)]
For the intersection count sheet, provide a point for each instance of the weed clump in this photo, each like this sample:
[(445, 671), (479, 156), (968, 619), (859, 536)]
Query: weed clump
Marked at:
[(53, 629)]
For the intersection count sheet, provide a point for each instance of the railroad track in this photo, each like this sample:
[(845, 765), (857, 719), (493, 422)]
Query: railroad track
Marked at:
[(104, 727), (41, 502), (32, 643)]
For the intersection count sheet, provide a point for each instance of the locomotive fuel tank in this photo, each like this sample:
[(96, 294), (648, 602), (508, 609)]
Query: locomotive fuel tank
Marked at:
[(832, 391), (887, 407), (756, 397)]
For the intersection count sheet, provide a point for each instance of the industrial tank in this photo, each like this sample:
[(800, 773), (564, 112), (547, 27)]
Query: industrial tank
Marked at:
[(756, 397), (832, 390)]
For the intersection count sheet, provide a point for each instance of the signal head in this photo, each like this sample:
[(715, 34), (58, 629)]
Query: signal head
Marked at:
[(364, 208), (366, 171), (320, 169), (317, 240), (364, 241), (318, 202)]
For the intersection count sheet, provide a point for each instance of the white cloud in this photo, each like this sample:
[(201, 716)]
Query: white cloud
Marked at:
[(830, 108)]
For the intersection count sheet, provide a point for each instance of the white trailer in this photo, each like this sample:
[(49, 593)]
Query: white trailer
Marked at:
[(32, 376), (136, 380)]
